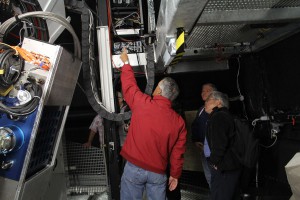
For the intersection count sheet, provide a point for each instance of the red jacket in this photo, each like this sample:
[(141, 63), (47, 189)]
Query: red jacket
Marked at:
[(157, 134)]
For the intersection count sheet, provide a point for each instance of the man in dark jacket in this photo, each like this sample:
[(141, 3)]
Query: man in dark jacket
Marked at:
[(218, 144), (156, 137), (199, 128)]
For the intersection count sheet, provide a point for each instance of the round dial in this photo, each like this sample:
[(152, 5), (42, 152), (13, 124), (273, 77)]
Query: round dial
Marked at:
[(7, 140)]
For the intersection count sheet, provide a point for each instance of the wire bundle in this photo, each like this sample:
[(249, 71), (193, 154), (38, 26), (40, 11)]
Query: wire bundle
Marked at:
[(11, 67), (48, 15), (27, 108), (121, 21)]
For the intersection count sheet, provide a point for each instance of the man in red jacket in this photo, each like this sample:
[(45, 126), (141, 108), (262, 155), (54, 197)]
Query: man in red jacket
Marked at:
[(156, 137)]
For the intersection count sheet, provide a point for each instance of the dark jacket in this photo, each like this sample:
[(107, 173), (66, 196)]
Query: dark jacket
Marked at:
[(220, 138), (199, 125)]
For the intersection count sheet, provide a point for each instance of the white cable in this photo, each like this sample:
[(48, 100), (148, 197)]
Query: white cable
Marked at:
[(238, 87), (254, 122), (120, 21), (271, 144), (146, 72), (47, 15), (237, 77), (262, 118)]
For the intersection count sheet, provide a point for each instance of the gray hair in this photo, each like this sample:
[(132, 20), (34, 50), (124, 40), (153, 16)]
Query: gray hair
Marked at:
[(220, 96), (169, 88), (213, 86)]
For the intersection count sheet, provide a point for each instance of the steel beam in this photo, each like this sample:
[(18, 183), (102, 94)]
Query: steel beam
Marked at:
[(199, 66), (175, 14), (276, 36), (278, 15)]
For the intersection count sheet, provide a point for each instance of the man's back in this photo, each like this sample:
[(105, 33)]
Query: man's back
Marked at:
[(154, 131), (156, 137)]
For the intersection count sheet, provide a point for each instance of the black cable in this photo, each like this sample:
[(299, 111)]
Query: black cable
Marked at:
[(6, 63), (27, 108), (28, 22)]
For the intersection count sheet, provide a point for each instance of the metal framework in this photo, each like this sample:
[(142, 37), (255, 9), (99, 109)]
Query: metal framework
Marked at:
[(234, 26)]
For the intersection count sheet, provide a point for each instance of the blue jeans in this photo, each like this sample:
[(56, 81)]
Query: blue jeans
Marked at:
[(135, 180), (206, 169)]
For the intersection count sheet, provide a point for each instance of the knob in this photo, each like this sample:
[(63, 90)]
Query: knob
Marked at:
[(7, 140), (11, 139)]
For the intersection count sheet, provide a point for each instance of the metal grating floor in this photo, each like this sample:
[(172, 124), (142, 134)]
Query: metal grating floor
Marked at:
[(101, 196), (86, 169), (87, 177), (189, 193)]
